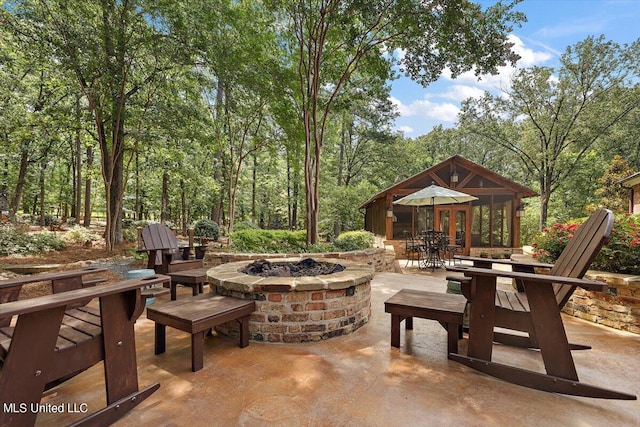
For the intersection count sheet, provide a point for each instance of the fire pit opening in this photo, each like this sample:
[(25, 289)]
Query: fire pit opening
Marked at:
[(297, 300), (305, 267)]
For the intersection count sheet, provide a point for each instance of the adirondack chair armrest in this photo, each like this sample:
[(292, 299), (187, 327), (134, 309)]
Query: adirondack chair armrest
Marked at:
[(503, 262), (531, 278), (185, 251), (197, 250), (46, 302), (48, 277)]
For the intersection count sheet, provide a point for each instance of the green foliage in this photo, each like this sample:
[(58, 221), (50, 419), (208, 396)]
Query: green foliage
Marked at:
[(129, 235), (13, 240), (79, 234), (245, 225), (354, 240), (611, 193), (207, 228), (620, 255), (269, 241)]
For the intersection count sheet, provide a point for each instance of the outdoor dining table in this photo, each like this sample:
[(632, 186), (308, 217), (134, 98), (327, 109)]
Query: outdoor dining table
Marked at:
[(432, 246)]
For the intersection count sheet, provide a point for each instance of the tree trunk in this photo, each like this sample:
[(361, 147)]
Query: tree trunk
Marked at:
[(343, 140), (43, 167), (77, 184), (545, 195), (116, 194), (183, 199), (87, 189), (253, 188), (22, 177), (289, 201), (138, 203), (544, 210), (164, 200)]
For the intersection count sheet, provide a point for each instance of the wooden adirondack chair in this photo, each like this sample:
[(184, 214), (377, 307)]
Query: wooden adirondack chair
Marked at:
[(56, 337), (165, 255), (535, 311)]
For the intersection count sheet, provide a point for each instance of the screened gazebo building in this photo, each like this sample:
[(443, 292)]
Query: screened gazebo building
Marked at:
[(491, 223)]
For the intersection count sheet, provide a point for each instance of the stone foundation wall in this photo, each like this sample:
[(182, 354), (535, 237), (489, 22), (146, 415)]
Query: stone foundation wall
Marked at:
[(619, 308), (304, 316)]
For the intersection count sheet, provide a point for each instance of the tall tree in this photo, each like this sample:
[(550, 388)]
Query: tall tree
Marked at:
[(113, 49), (335, 38), (551, 121)]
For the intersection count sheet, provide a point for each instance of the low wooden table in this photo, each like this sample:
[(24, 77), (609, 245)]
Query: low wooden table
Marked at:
[(197, 315), (448, 309), (195, 278)]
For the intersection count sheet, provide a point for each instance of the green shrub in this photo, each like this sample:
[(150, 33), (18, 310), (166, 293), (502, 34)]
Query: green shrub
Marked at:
[(79, 234), (142, 223), (15, 241), (128, 222), (207, 228), (130, 235), (244, 225), (620, 255), (269, 241), (47, 241), (354, 240)]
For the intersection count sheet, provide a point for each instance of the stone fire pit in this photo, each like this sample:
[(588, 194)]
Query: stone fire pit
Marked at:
[(298, 309)]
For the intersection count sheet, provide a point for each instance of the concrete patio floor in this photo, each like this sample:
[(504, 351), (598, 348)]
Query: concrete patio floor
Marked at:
[(359, 380)]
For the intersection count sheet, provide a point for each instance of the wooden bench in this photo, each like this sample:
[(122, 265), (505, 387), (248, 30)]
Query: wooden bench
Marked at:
[(197, 315), (448, 309), (55, 337)]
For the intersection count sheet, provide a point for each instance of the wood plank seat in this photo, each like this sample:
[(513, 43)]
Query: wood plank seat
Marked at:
[(197, 315), (448, 309), (56, 337), (78, 325)]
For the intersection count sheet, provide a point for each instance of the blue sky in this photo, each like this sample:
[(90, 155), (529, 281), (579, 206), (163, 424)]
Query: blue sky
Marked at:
[(551, 26)]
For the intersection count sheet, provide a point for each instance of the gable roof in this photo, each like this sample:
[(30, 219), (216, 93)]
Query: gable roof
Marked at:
[(631, 180), (452, 163)]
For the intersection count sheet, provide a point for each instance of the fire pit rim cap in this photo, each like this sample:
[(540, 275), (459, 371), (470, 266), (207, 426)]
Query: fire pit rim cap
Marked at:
[(355, 273)]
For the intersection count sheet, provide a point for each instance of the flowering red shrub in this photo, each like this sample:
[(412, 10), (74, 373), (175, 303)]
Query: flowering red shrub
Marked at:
[(620, 255)]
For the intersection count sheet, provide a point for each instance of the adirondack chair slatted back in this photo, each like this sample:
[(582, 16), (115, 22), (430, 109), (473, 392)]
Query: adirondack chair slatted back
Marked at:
[(575, 259), (158, 237)]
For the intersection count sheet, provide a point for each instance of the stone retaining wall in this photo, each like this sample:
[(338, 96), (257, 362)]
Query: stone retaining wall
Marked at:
[(380, 259), (619, 308)]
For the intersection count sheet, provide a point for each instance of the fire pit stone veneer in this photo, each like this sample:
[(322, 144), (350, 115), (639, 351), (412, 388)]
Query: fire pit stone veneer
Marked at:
[(298, 309)]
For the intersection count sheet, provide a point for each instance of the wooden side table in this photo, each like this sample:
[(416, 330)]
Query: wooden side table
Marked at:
[(196, 315), (194, 278)]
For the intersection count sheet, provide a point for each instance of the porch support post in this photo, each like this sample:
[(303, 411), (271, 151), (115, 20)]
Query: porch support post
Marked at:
[(389, 219)]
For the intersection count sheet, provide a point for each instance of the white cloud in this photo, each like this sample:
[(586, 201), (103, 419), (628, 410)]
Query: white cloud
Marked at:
[(528, 57), (406, 129), (462, 92), (502, 80), (399, 54), (440, 104), (423, 108)]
